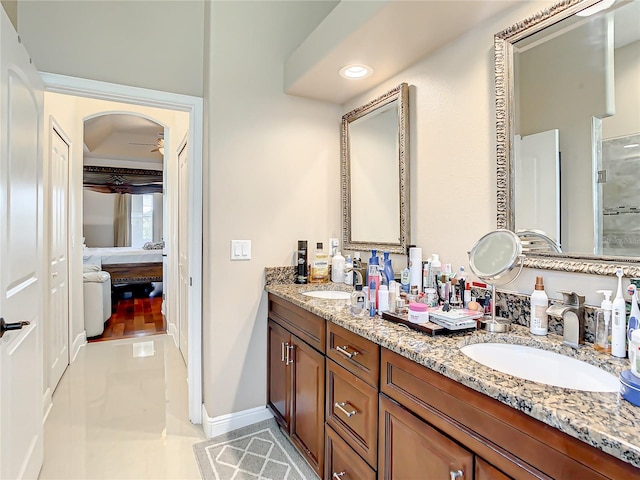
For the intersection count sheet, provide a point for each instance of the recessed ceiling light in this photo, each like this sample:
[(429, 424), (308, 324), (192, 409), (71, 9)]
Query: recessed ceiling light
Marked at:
[(593, 9), (354, 72)]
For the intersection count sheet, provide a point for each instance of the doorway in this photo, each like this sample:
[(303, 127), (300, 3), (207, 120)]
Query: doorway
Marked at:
[(193, 107)]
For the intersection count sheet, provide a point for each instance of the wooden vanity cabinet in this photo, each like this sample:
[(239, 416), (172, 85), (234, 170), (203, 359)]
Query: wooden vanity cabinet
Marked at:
[(296, 377)]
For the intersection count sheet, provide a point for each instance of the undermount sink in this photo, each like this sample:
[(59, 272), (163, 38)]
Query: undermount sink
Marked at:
[(542, 366), (328, 294)]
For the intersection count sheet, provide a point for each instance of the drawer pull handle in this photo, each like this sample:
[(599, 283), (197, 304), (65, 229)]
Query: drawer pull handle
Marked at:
[(456, 474), (340, 406), (282, 351), (289, 360), (338, 475), (345, 351)]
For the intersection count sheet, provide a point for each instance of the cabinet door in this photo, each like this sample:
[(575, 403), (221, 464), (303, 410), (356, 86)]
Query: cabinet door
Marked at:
[(409, 448), (342, 463), (307, 420), (278, 374), (486, 471)]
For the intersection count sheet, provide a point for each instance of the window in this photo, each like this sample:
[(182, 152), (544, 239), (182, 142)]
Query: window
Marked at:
[(141, 220)]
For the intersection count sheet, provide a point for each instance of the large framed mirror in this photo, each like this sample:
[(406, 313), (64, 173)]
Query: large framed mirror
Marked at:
[(375, 174), (568, 133)]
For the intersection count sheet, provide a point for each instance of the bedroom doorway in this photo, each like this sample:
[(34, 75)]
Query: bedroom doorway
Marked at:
[(129, 99), (124, 180)]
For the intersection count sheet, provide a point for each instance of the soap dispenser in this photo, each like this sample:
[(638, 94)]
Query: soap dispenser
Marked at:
[(603, 323)]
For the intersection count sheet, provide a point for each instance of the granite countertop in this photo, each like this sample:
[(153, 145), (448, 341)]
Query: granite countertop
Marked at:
[(603, 420)]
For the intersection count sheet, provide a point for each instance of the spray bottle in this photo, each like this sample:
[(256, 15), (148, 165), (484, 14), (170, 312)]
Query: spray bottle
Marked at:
[(619, 326)]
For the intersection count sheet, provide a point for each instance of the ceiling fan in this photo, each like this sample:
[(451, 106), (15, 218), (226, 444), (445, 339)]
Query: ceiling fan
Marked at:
[(158, 146)]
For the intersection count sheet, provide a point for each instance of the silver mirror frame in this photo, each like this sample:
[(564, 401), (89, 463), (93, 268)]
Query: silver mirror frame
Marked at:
[(401, 94), (504, 90)]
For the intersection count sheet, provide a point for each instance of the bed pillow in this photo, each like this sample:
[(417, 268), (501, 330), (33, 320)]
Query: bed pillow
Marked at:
[(153, 246)]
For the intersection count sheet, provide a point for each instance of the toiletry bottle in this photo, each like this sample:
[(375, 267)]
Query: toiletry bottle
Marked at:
[(634, 316), (373, 297), (415, 267), (319, 266), (337, 268), (383, 299), (393, 294), (603, 323), (619, 322), (348, 271), (426, 275), (301, 267), (436, 270), (373, 278), (358, 302), (387, 270), (405, 280), (539, 323)]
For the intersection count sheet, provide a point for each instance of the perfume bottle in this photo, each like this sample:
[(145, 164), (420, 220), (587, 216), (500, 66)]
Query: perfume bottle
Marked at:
[(358, 302)]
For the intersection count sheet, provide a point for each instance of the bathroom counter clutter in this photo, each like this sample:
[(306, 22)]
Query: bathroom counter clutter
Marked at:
[(602, 420)]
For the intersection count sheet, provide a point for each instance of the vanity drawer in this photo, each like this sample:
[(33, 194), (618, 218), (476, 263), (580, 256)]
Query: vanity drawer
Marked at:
[(352, 411), (303, 324), (342, 463), (355, 353)]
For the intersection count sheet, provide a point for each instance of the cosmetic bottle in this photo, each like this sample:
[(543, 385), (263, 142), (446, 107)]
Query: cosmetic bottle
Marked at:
[(634, 316), (415, 267), (383, 299), (358, 302), (405, 280), (426, 275), (387, 270), (301, 267), (619, 322), (348, 271), (373, 278), (393, 294), (319, 266), (436, 270), (539, 323), (373, 297), (337, 268), (603, 323)]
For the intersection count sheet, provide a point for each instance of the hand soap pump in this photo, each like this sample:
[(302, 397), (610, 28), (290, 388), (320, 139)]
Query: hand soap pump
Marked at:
[(619, 326), (603, 323)]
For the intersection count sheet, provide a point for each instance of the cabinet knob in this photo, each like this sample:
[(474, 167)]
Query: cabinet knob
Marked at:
[(456, 474), (338, 476), (340, 406), (345, 351)]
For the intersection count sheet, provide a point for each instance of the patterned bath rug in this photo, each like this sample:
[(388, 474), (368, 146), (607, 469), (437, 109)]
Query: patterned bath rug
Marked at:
[(255, 452)]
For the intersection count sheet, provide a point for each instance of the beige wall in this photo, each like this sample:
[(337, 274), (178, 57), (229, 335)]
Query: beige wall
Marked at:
[(272, 176), (11, 7), (151, 44)]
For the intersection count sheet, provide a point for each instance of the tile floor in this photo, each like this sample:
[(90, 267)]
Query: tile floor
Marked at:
[(120, 412)]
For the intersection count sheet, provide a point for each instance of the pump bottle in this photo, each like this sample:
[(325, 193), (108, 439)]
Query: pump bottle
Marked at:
[(619, 326)]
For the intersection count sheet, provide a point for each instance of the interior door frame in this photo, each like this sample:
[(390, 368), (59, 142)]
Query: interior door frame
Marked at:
[(194, 107)]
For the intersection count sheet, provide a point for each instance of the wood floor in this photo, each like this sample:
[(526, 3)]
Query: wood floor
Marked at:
[(134, 314)]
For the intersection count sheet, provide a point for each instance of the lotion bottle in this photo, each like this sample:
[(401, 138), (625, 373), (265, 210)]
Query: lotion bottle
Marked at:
[(337, 268), (619, 326), (539, 324)]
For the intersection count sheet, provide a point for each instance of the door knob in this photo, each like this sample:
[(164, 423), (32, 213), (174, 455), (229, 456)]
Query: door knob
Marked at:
[(4, 326)]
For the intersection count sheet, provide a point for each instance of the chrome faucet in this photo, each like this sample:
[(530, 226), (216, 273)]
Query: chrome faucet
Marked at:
[(571, 312)]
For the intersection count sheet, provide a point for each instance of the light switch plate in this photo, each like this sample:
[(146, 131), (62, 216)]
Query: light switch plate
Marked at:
[(240, 249)]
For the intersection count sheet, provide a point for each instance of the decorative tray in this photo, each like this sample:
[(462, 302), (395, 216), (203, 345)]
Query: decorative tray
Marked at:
[(429, 328)]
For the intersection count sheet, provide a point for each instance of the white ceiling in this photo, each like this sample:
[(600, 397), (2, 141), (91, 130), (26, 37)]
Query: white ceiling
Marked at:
[(388, 35), (122, 137)]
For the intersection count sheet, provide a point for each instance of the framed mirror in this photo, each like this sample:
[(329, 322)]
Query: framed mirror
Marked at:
[(568, 133), (375, 174)]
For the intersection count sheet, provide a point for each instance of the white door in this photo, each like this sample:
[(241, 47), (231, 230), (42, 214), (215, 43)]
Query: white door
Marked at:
[(21, 259), (537, 183), (183, 250), (57, 344)]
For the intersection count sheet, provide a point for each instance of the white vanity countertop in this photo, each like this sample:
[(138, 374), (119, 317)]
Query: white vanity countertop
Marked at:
[(603, 420)]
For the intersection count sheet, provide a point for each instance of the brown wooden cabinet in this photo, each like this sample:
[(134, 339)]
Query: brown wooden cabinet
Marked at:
[(296, 379), (411, 449)]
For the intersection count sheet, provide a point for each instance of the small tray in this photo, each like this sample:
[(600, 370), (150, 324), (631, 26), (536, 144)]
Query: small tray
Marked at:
[(429, 328)]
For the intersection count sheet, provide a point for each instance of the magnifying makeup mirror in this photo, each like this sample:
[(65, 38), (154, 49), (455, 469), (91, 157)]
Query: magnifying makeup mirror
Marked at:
[(497, 259)]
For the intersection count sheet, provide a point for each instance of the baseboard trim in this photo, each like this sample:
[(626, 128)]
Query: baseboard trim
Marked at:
[(225, 423), (47, 403), (172, 330), (78, 342)]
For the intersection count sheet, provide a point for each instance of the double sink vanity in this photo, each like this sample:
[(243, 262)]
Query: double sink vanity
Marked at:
[(365, 398)]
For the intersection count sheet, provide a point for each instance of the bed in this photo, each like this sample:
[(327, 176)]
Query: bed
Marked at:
[(126, 264)]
